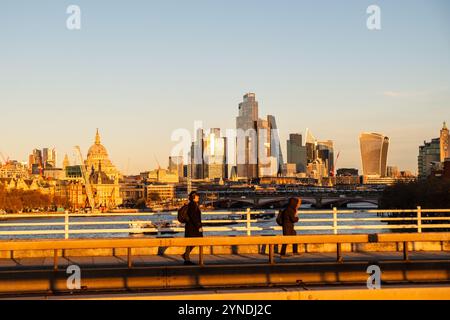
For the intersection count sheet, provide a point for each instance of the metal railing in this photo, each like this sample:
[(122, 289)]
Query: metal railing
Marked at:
[(417, 220)]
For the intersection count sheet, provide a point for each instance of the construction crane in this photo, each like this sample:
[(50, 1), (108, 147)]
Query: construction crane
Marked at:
[(5, 159), (87, 183), (333, 170), (157, 162)]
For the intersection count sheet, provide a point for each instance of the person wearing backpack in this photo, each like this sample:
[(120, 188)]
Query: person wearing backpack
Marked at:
[(288, 218), (192, 217)]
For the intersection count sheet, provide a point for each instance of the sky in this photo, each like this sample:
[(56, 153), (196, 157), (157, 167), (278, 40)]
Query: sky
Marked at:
[(138, 70)]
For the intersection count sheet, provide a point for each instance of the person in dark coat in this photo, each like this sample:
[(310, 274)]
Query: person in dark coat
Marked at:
[(193, 227), (289, 219)]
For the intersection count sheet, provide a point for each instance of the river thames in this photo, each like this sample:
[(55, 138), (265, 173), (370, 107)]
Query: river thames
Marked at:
[(120, 225)]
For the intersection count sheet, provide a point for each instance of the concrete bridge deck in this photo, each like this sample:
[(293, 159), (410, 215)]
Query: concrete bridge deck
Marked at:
[(127, 265), (44, 263), (111, 275)]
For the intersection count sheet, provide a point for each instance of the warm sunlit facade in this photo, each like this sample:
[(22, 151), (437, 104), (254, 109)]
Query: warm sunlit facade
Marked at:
[(374, 150)]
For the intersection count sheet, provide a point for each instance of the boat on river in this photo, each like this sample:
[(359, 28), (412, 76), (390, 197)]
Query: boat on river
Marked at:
[(152, 228)]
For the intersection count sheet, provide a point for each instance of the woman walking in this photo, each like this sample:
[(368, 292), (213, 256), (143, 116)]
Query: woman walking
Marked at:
[(289, 216)]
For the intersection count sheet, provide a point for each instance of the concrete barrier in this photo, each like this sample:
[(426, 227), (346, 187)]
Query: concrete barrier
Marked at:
[(229, 276), (443, 246)]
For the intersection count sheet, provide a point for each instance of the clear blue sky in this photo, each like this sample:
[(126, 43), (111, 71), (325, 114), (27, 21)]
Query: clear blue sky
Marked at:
[(140, 69)]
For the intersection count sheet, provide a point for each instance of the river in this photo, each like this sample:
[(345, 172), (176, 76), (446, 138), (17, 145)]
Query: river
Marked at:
[(9, 226)]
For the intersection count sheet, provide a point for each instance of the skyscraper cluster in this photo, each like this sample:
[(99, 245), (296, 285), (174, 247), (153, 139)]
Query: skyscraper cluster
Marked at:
[(208, 156), (39, 160), (254, 151), (314, 159), (258, 149)]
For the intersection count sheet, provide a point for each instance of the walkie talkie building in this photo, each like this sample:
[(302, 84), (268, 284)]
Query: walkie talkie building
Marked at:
[(374, 150)]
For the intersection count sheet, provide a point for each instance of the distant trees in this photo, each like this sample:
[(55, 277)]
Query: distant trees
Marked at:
[(22, 201), (433, 193), (430, 194), (140, 204)]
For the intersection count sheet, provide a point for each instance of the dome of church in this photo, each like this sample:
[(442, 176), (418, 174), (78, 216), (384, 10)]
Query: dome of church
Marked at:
[(97, 151)]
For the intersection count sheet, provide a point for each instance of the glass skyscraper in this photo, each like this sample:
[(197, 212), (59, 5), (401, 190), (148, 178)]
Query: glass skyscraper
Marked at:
[(374, 150)]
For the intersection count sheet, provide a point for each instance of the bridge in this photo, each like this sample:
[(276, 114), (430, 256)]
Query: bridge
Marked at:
[(267, 202), (135, 265), (413, 262)]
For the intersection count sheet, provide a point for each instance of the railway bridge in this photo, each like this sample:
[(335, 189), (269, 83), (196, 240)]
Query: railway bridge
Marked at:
[(269, 202)]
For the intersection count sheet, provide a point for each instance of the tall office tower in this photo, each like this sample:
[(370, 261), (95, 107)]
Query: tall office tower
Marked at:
[(325, 151), (214, 155), (38, 160), (247, 141), (444, 143), (374, 150), (54, 157), (296, 152), (429, 156), (45, 156), (197, 161), (49, 157), (275, 145), (311, 147), (176, 165), (31, 161), (267, 164)]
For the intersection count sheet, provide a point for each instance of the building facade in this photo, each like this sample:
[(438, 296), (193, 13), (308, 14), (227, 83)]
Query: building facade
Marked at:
[(246, 144), (429, 157), (444, 143), (104, 177), (296, 152), (97, 157), (374, 150)]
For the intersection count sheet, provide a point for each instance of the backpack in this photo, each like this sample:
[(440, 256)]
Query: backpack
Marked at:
[(280, 217), (183, 214)]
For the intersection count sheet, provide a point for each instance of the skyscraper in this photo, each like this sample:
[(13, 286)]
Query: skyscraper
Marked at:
[(296, 152), (214, 155), (258, 149), (246, 144), (176, 165), (265, 161), (197, 160), (311, 147), (444, 143), (275, 144), (45, 156), (49, 157), (374, 150), (325, 150)]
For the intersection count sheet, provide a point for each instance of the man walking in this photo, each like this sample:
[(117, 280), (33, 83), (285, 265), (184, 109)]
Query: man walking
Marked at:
[(193, 226)]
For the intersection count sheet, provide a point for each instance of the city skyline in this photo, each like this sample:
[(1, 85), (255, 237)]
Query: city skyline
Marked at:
[(203, 57), (216, 134)]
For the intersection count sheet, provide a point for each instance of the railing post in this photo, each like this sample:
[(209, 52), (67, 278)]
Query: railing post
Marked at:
[(335, 221), (339, 257), (249, 231), (405, 251), (129, 259), (419, 219), (201, 260), (66, 225), (55, 260), (271, 254)]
